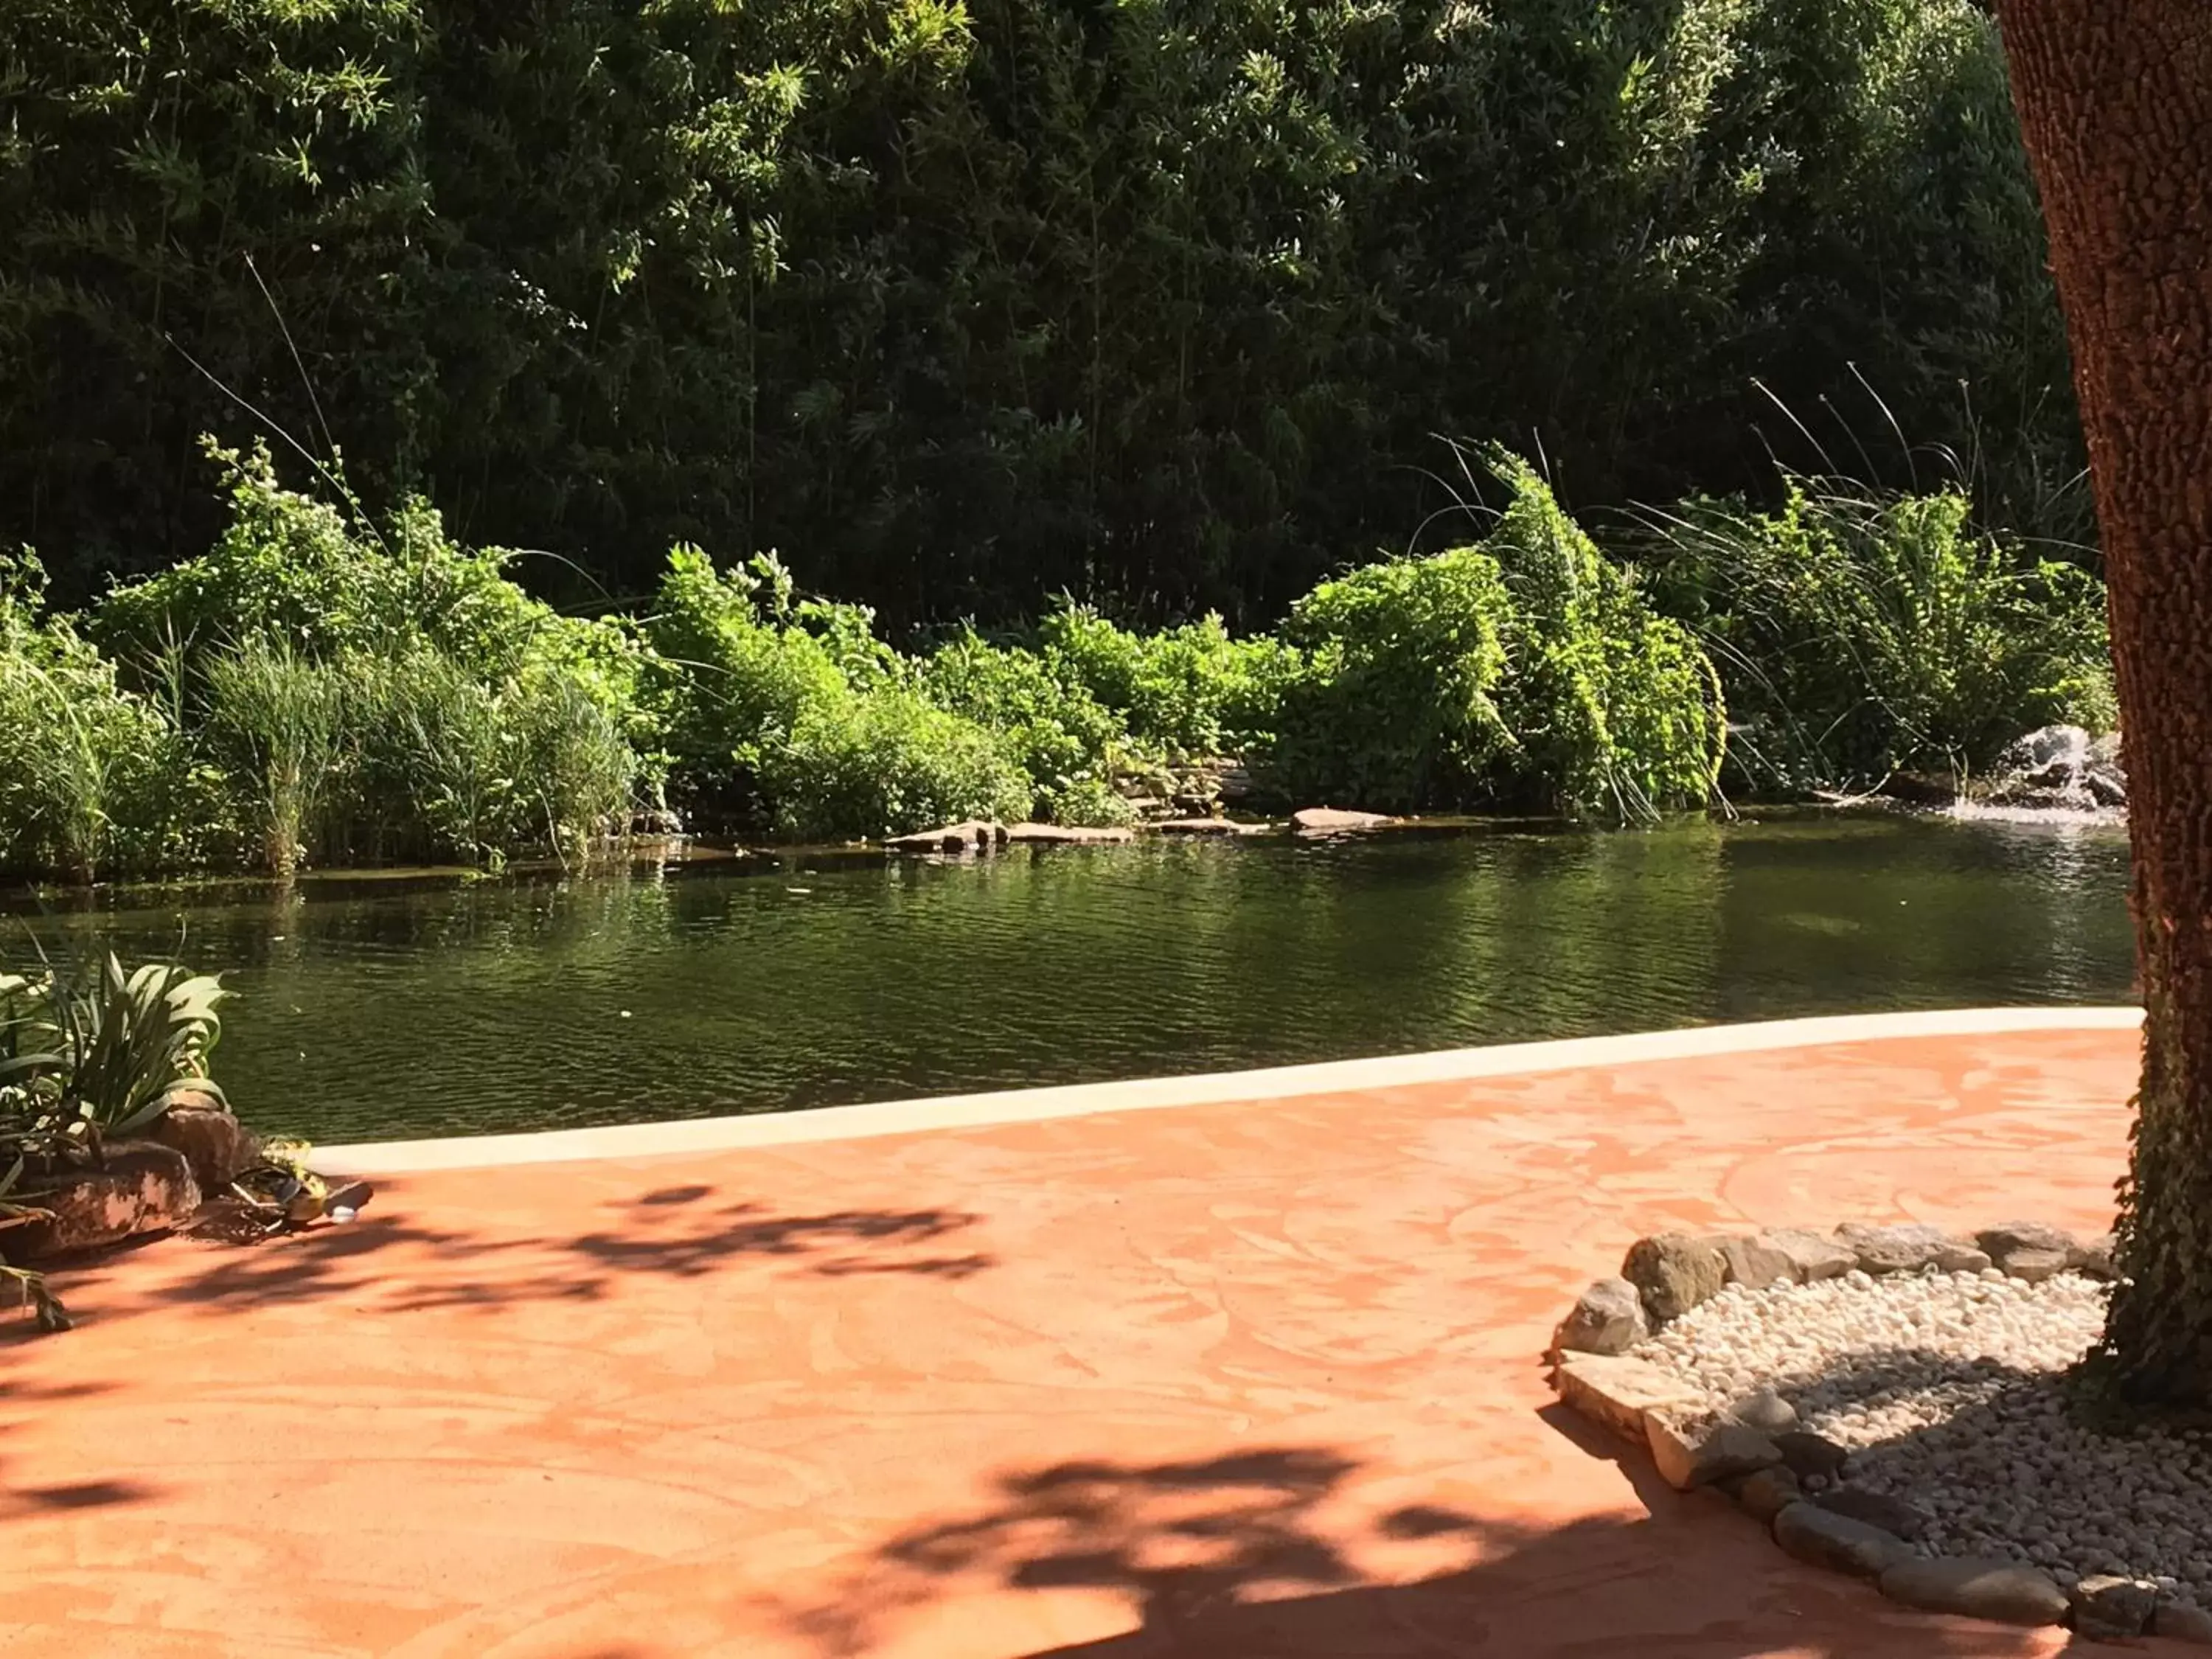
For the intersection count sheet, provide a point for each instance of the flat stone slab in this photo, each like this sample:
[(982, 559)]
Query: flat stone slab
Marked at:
[(1229, 829), (1066, 835), (2003, 1591), (976, 834), (1619, 1392), (1328, 820)]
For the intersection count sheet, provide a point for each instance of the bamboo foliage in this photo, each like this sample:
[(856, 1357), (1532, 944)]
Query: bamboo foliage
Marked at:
[(968, 303)]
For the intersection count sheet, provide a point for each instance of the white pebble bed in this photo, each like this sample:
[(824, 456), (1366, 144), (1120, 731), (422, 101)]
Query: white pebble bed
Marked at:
[(1946, 1389)]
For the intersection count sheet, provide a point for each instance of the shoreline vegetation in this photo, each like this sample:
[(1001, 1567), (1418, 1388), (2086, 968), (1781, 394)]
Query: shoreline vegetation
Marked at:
[(320, 688)]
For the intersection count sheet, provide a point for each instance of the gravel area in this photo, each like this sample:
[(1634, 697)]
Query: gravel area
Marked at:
[(1946, 1389)]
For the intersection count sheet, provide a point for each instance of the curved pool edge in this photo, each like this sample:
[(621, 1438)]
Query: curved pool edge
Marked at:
[(940, 1112)]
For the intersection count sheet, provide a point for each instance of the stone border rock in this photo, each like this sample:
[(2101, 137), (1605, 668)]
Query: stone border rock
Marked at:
[(1793, 1480), (154, 1182)]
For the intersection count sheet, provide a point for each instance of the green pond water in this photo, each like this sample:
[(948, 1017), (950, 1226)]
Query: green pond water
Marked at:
[(383, 1007)]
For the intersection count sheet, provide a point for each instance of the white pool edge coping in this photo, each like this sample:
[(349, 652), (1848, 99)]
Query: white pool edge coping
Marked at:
[(892, 1117)]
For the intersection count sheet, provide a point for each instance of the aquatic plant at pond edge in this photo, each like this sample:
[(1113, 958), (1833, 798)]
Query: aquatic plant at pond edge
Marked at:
[(1860, 630)]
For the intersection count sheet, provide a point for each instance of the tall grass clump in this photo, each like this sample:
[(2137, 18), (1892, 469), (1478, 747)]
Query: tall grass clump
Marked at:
[(1861, 631)]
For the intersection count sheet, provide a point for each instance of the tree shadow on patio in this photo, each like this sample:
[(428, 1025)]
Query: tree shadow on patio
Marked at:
[(1256, 1554), (402, 1260)]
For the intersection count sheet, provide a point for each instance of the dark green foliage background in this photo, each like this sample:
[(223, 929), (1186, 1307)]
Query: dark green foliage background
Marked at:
[(1158, 301)]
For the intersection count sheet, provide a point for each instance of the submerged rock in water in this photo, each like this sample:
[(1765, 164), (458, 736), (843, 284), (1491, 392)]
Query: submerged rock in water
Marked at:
[(2060, 769)]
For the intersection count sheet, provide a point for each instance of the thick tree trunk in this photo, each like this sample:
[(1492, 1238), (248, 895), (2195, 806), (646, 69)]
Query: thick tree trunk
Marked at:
[(2115, 98)]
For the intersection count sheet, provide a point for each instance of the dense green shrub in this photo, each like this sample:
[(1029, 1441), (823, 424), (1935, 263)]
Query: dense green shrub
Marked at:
[(1155, 303), (1047, 720), (791, 714), (1527, 671), (92, 775), (1190, 689), (1860, 631)]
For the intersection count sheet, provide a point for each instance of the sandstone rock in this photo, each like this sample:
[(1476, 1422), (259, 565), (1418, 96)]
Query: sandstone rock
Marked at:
[(140, 1188), (1838, 1542), (1809, 1454), (2182, 1621), (1956, 1258), (2093, 1257), (1891, 1515), (1768, 1493), (1689, 1457), (2006, 1237), (1225, 827), (2109, 1609), (1766, 1411), (1753, 1264), (2034, 1266), (1328, 821), (1674, 1273), (1617, 1391), (1811, 1257), (1065, 835), (1607, 1318), (217, 1146), (1902, 1247), (1975, 1587)]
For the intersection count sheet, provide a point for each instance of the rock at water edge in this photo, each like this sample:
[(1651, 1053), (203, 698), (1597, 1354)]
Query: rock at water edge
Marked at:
[(2003, 1591), (1327, 820), (1838, 1542), (974, 835), (1607, 1318), (1674, 1273)]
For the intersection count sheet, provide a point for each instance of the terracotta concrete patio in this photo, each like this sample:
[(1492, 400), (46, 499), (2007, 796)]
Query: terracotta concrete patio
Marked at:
[(1200, 1382)]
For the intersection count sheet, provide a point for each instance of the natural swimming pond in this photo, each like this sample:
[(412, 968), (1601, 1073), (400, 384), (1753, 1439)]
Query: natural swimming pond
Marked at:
[(372, 1008)]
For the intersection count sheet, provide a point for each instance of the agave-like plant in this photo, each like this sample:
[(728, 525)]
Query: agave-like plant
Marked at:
[(105, 1052)]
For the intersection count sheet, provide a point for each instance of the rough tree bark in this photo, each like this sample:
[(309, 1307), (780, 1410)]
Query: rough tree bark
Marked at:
[(2115, 98)]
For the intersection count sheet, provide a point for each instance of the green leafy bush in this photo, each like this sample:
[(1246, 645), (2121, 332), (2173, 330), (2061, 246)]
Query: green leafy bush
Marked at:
[(1860, 630), (793, 715), (1049, 723), (1527, 671), (379, 692), (1397, 705), (1190, 689), (92, 775), (94, 1051)]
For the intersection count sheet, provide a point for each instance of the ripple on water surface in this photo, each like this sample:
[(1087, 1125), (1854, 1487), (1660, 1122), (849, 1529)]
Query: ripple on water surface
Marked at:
[(382, 1009)]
